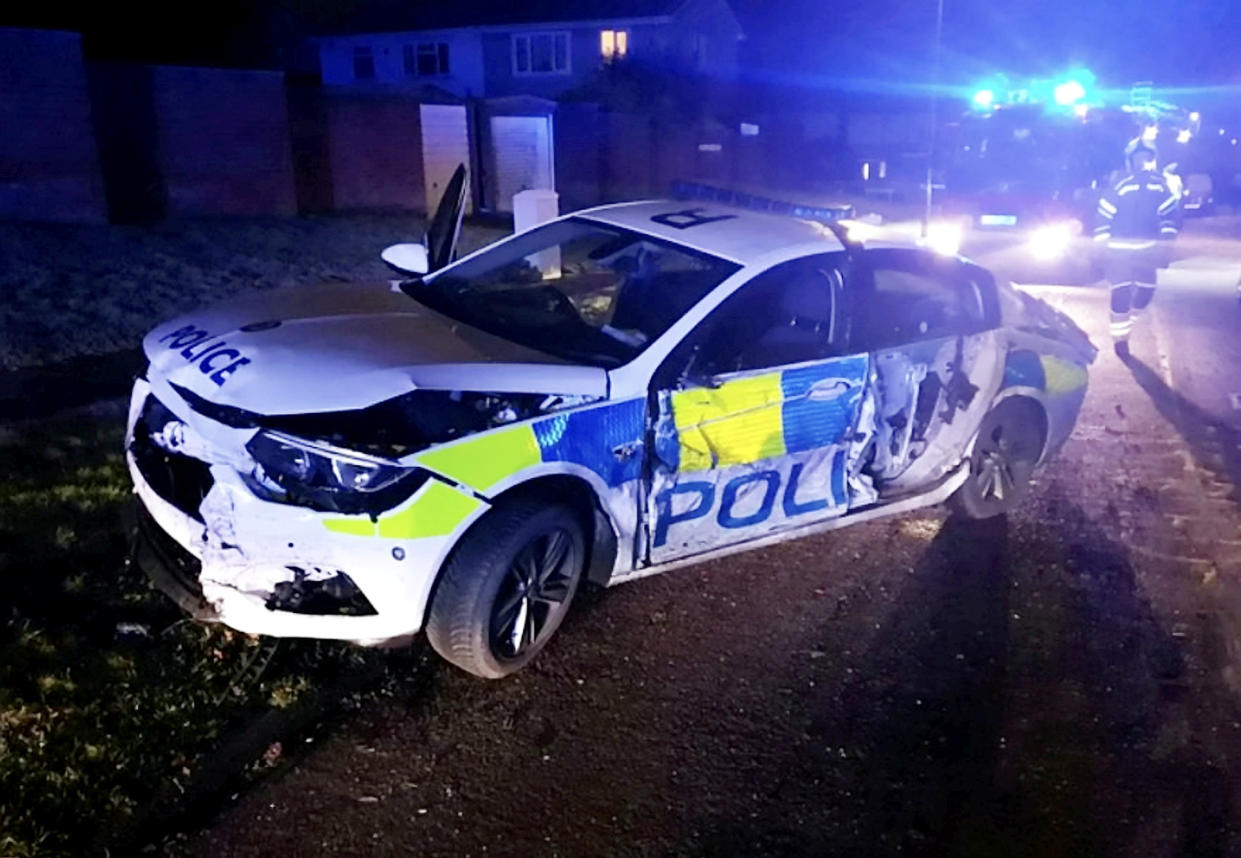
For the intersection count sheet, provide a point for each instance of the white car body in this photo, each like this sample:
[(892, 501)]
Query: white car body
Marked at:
[(736, 475)]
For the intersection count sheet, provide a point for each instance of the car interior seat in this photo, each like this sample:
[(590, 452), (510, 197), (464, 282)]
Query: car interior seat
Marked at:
[(634, 301), (802, 324)]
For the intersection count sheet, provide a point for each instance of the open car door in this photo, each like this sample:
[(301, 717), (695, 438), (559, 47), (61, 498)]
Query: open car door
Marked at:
[(445, 227)]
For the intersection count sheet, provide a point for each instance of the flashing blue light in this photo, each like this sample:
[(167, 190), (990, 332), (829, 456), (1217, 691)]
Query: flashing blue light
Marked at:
[(984, 98), (1069, 92)]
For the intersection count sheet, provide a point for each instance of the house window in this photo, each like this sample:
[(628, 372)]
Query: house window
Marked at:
[(613, 45), (426, 59), (541, 53), (363, 63)]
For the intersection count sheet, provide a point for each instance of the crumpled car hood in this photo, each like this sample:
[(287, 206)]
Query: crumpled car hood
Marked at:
[(340, 347), (1024, 312)]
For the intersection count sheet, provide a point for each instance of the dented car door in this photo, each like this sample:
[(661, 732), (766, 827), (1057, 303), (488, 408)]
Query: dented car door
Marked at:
[(929, 325), (754, 415)]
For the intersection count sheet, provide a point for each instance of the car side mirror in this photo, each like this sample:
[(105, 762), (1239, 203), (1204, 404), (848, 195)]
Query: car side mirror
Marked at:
[(408, 258)]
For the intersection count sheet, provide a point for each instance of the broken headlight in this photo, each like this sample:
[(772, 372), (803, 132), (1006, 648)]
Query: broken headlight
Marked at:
[(293, 470)]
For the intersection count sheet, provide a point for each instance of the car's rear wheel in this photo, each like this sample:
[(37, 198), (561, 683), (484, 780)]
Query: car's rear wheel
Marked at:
[(507, 587), (1009, 444)]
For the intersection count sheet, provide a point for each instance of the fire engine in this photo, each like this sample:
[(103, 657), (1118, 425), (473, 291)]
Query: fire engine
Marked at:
[(1021, 171)]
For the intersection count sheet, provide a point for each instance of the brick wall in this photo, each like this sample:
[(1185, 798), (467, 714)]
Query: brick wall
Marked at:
[(223, 141), (642, 156), (374, 151), (49, 167), (576, 133), (311, 146)]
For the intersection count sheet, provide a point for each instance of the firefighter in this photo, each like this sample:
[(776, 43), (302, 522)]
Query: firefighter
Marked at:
[(1176, 185), (1139, 211)]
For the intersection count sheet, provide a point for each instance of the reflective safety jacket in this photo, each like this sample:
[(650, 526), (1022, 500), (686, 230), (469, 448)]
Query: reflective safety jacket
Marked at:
[(1138, 211)]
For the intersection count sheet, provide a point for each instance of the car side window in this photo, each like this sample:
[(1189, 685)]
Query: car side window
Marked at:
[(788, 314), (911, 296)]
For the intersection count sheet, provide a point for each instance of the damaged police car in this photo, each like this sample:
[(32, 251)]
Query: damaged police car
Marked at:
[(608, 395)]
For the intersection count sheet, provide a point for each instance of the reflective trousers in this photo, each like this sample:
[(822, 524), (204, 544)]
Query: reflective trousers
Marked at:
[(1132, 276)]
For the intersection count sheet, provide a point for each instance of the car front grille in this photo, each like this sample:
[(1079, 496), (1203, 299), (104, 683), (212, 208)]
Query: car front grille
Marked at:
[(183, 481)]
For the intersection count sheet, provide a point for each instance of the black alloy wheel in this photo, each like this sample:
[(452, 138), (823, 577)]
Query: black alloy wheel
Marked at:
[(533, 594), (1007, 449), (507, 586)]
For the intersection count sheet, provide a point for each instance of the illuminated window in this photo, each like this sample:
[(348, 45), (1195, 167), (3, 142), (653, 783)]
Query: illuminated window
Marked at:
[(363, 63), (541, 53), (613, 45), (426, 59)]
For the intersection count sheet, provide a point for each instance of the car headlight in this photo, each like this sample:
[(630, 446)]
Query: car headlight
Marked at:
[(1052, 241), (943, 237), (294, 470), (860, 230)]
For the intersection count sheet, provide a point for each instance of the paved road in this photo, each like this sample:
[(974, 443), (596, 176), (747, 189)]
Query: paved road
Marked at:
[(1061, 682)]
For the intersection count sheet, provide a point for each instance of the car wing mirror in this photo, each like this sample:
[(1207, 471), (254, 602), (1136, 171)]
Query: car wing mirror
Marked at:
[(444, 230), (406, 258)]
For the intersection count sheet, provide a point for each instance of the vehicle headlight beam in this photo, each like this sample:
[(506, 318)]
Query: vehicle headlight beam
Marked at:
[(943, 237), (1052, 241)]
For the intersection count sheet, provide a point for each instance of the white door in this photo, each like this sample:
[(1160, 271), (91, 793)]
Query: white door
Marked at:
[(445, 144), (523, 147)]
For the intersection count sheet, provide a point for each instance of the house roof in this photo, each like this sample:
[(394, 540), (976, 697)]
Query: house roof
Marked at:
[(392, 16)]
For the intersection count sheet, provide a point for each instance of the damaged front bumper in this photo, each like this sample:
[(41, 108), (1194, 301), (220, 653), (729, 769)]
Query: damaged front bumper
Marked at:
[(262, 567), (172, 569)]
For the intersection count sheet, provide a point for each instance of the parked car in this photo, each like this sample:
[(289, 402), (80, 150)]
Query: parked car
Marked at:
[(609, 395)]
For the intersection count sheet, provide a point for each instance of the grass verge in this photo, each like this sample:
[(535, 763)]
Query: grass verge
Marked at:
[(116, 714)]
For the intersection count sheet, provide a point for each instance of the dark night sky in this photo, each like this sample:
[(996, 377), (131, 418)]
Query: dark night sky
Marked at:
[(1182, 42)]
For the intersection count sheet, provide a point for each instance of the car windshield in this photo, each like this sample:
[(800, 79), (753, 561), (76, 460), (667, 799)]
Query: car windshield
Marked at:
[(576, 289)]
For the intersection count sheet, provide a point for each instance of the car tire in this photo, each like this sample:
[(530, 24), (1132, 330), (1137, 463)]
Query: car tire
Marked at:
[(483, 595), (1008, 447)]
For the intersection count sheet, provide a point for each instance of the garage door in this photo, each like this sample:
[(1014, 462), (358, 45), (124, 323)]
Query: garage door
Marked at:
[(523, 148), (445, 144)]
